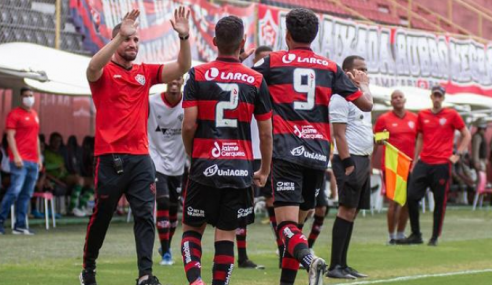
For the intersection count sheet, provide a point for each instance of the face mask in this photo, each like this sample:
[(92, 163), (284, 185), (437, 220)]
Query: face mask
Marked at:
[(28, 101)]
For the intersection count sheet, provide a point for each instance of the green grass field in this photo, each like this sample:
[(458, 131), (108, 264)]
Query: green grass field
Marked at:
[(54, 257)]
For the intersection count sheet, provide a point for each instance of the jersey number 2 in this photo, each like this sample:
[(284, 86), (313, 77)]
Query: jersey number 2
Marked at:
[(305, 82), (227, 105)]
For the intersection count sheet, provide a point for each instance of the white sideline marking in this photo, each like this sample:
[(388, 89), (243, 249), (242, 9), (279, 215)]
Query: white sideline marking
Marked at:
[(415, 277)]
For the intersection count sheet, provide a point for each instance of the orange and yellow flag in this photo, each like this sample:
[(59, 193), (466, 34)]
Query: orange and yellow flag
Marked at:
[(397, 168)]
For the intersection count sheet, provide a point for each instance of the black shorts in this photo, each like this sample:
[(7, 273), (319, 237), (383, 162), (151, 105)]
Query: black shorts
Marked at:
[(354, 190), (322, 198), (219, 207), (294, 184), (265, 191), (167, 186)]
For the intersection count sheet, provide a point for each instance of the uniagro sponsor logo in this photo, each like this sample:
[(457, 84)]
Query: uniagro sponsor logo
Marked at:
[(214, 170), (301, 151)]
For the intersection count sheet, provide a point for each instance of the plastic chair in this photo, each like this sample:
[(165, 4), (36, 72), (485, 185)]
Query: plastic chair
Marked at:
[(481, 190), (47, 197)]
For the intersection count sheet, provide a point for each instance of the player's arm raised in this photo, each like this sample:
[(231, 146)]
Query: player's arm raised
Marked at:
[(176, 69), (361, 80), (103, 56)]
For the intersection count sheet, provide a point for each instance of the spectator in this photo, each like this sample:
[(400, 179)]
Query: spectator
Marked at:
[(479, 148), (24, 150), (56, 172)]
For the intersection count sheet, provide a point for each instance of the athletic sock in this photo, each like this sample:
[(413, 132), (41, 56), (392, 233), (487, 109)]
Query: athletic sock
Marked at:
[(241, 233), (346, 247), (191, 251), (163, 224), (340, 230), (400, 235), (315, 230), (223, 262), (273, 224), (295, 243), (173, 221), (290, 266), (392, 236)]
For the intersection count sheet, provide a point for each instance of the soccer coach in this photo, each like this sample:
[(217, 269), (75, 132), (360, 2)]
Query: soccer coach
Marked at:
[(120, 90)]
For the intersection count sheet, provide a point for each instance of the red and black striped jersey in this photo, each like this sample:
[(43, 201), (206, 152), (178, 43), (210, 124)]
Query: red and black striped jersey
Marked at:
[(301, 84), (227, 94)]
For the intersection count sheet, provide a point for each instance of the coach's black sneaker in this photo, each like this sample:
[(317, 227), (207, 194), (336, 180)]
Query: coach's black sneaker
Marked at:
[(88, 277), (391, 242), (412, 239), (152, 280), (249, 264), (355, 273), (339, 272), (432, 242)]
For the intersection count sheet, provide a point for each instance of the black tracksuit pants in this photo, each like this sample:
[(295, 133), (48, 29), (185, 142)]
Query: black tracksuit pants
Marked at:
[(437, 178), (137, 182)]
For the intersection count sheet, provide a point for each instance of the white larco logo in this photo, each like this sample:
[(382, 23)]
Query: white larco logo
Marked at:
[(285, 186), (195, 212), (140, 79), (289, 58), (241, 213), (228, 149), (301, 151), (214, 169), (307, 132), (213, 73)]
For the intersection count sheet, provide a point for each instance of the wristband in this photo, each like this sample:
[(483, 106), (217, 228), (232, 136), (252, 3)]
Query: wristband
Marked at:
[(184, 38), (347, 162)]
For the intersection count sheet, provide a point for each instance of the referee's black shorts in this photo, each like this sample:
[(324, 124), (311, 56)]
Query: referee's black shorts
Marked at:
[(167, 186), (354, 190)]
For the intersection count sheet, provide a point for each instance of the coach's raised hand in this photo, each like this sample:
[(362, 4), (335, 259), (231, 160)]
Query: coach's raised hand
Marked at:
[(181, 22), (129, 23)]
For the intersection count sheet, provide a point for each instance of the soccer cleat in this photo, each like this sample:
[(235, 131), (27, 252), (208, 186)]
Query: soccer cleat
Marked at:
[(152, 280), (199, 281), (355, 273), (432, 242), (167, 259), (392, 242), (339, 272), (412, 239), (88, 277), (316, 271), (249, 264), (21, 231)]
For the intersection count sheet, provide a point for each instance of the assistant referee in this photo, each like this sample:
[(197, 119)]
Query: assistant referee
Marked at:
[(120, 90)]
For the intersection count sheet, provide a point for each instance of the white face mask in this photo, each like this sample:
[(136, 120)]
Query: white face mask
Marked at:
[(28, 101)]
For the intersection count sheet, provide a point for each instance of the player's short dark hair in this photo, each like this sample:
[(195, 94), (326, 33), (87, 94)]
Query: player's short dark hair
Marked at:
[(229, 32), (348, 62), (24, 89), (302, 25), (116, 30), (261, 49)]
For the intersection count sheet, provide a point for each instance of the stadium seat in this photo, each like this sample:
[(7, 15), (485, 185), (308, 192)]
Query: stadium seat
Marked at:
[(5, 16), (481, 189), (47, 197)]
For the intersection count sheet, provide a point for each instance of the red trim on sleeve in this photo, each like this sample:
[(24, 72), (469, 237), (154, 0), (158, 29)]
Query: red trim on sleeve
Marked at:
[(263, 117), (354, 96), (188, 104)]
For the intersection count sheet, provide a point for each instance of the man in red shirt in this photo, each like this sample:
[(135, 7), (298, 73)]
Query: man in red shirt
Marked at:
[(402, 127), (24, 149), (120, 90), (436, 128)]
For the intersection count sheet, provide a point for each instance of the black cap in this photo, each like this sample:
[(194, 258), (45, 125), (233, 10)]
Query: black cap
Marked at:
[(438, 89)]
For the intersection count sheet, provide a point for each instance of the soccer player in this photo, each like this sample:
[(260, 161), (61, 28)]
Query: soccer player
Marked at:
[(25, 161), (120, 90), (436, 128), (352, 129), (300, 84), (402, 127), (243, 260), (167, 151), (220, 98)]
